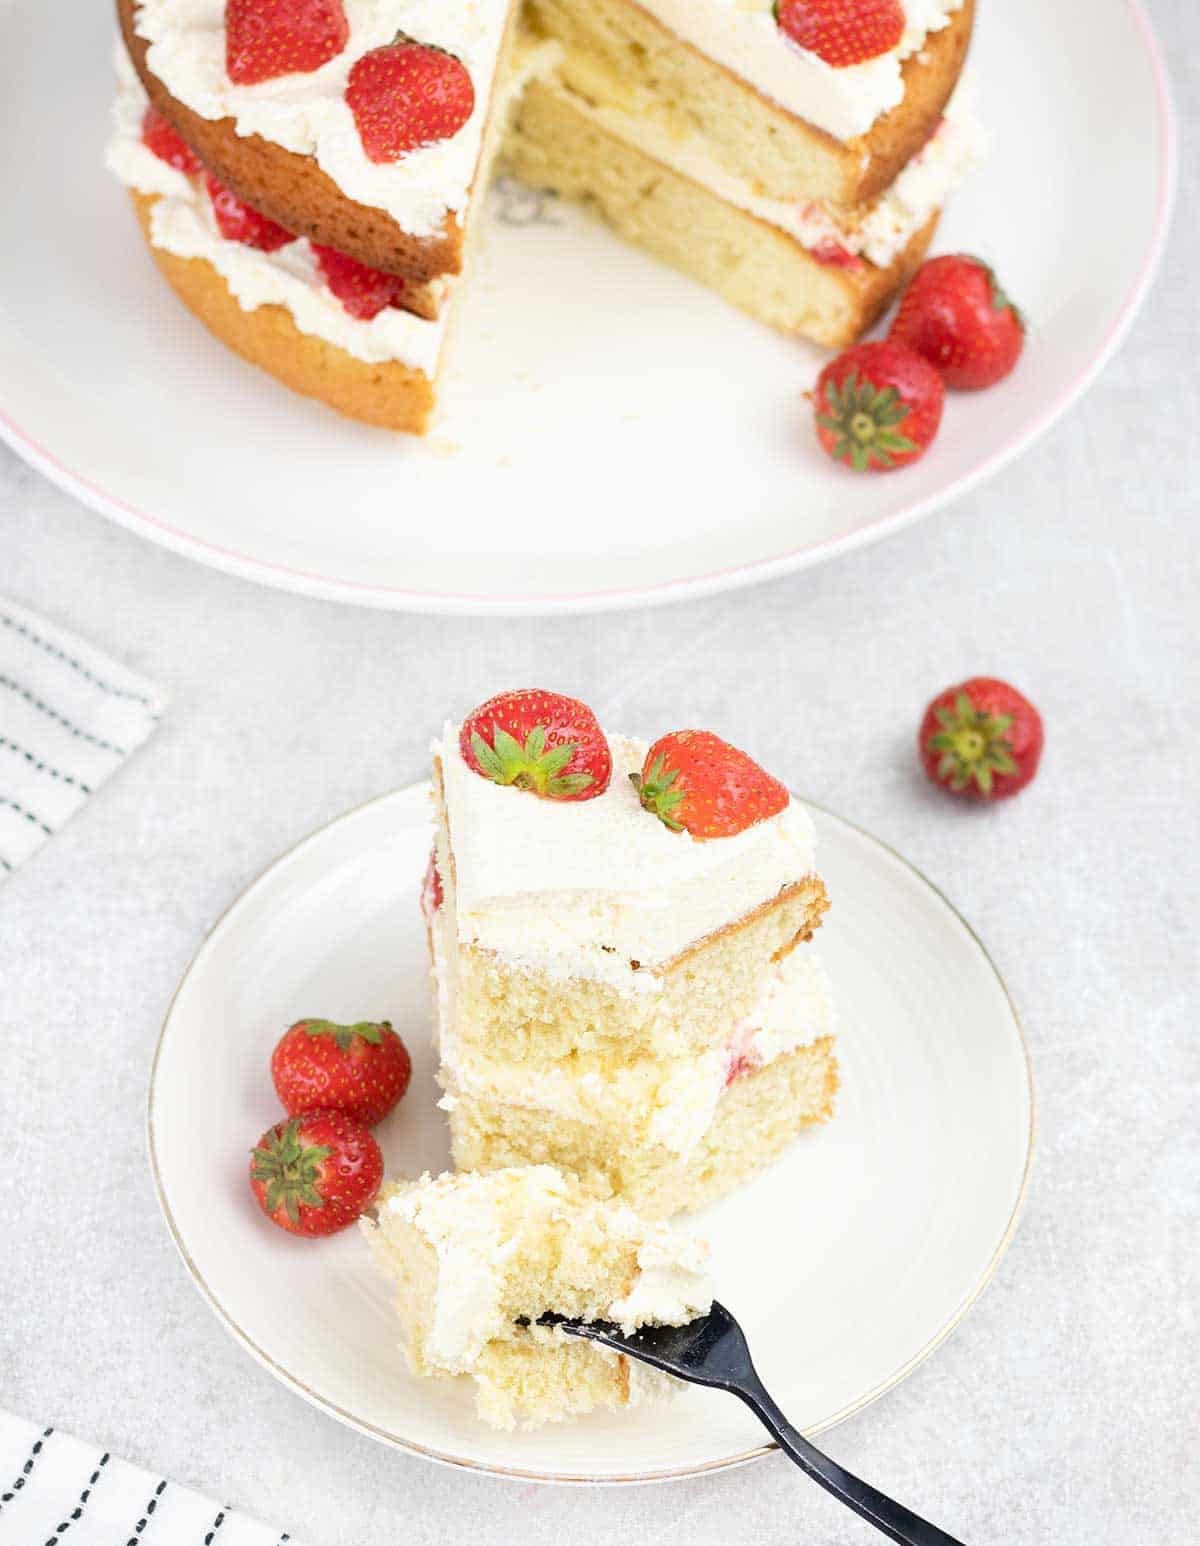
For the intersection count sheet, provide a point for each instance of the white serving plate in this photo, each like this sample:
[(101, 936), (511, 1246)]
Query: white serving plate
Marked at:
[(615, 434), (848, 1263)]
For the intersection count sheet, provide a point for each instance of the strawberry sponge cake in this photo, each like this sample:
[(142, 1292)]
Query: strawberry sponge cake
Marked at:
[(308, 173), (619, 936)]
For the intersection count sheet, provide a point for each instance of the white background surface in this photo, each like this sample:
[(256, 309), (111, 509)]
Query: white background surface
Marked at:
[(1065, 1409)]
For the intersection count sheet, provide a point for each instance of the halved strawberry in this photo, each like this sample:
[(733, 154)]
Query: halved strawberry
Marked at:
[(363, 291), (268, 38), (842, 32), (540, 741), (239, 222), (695, 782), (168, 144), (406, 95)]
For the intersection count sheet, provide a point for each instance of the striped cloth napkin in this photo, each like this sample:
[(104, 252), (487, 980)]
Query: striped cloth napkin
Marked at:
[(56, 1489), (69, 717)]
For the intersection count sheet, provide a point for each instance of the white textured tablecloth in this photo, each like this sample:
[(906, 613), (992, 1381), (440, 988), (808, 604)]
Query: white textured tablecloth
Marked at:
[(1064, 1410)]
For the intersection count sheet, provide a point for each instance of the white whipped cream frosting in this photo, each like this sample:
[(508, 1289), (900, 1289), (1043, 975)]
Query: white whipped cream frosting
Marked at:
[(588, 887), (743, 36), (182, 223), (955, 149), (307, 113), (672, 1287), (476, 1225)]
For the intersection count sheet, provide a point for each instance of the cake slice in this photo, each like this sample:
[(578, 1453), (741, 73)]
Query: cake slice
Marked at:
[(803, 193), (478, 1261), (620, 991)]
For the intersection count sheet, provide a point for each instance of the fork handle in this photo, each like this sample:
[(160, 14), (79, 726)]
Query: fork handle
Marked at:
[(893, 1519)]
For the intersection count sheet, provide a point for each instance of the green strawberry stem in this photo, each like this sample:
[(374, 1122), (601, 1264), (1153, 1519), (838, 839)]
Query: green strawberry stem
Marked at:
[(657, 793), (973, 745), (343, 1035), (530, 766), (863, 418), (290, 1169)]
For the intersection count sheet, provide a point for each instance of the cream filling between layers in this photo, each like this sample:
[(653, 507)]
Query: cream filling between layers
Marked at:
[(307, 113), (182, 223), (601, 888), (879, 235), (743, 36), (672, 1103)]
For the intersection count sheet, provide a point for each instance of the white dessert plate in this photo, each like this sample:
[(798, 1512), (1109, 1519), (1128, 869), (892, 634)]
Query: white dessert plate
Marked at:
[(615, 434), (847, 1263)]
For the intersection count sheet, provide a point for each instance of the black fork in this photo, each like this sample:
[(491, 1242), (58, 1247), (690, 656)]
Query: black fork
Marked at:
[(713, 1351)]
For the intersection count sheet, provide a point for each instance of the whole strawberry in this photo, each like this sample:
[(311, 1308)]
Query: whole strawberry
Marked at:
[(695, 782), (406, 95), (842, 32), (540, 741), (238, 222), (168, 144), (268, 38), (363, 291), (361, 1069), (313, 1175), (955, 315), (982, 739), (878, 406)]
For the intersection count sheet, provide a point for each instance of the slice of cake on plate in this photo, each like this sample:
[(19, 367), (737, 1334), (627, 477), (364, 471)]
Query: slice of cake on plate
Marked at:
[(617, 932), (793, 155), (478, 1261)]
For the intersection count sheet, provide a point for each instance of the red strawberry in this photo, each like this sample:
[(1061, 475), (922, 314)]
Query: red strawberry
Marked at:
[(695, 782), (842, 32), (431, 888), (314, 1174), (168, 144), (360, 1069), (955, 315), (406, 95), (541, 741), (238, 222), (363, 291), (982, 739), (878, 406), (268, 38)]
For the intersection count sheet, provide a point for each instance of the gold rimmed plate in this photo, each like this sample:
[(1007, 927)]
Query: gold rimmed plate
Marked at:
[(848, 1262)]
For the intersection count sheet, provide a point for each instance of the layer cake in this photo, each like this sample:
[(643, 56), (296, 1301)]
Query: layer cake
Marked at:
[(630, 1003), (803, 193)]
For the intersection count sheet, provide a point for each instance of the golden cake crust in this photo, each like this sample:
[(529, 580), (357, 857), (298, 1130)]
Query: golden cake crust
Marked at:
[(389, 395), (292, 189), (930, 77)]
